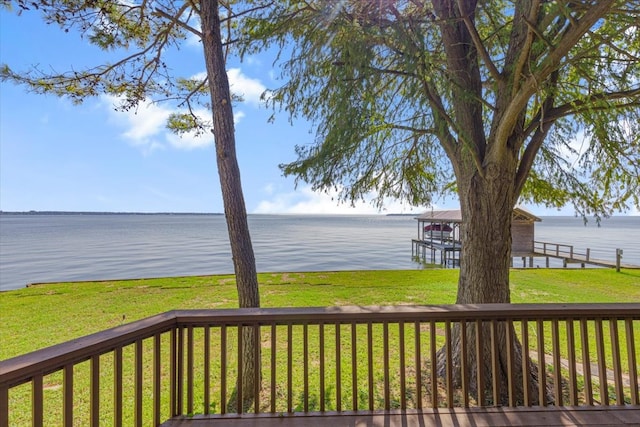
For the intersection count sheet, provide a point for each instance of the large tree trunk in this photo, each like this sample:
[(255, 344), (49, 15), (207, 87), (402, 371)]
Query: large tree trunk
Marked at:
[(487, 204), (234, 207)]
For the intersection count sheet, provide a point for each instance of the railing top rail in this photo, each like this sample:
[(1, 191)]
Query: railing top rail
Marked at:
[(406, 313), (21, 368), (559, 245)]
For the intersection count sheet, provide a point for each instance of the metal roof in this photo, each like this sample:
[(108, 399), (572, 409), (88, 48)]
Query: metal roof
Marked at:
[(455, 215), (445, 216)]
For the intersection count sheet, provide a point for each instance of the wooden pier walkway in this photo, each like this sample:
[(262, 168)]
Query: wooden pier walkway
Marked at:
[(450, 254), (580, 259), (569, 255)]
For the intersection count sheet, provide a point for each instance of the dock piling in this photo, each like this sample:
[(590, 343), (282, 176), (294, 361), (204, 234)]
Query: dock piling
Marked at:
[(618, 258)]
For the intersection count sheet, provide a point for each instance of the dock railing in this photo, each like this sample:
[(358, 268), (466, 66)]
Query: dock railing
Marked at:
[(187, 362), (559, 250), (568, 254)]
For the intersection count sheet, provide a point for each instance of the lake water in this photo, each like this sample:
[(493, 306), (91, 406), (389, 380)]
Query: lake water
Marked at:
[(75, 247)]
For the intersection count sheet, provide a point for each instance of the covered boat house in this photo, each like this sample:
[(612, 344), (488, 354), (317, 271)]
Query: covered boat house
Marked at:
[(439, 233)]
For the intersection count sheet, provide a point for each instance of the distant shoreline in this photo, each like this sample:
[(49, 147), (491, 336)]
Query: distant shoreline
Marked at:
[(175, 213), (104, 213)]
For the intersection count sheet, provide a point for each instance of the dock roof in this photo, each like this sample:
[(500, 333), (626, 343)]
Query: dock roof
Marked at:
[(455, 215)]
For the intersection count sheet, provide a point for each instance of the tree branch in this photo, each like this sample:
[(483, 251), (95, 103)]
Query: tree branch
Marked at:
[(175, 19), (549, 65), (577, 106), (547, 116), (530, 154), (244, 12), (525, 52), (478, 42)]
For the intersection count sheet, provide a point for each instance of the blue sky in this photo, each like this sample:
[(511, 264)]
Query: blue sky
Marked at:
[(58, 156)]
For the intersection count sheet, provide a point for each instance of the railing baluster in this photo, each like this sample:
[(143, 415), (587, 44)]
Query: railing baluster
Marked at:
[(180, 372), (480, 362), (510, 371), (223, 369), (68, 395), (434, 364), (240, 364), (138, 384), (190, 369), (172, 371), (117, 386), (464, 370), (615, 353), (602, 364), (322, 367), (257, 363), (38, 401), (273, 368), (354, 369), (157, 375), (289, 368), (403, 384), (418, 364), (631, 356), (305, 366), (448, 363), (95, 391), (4, 407), (338, 370), (385, 358), (571, 353), (207, 370), (557, 375), (586, 361), (370, 362), (526, 369), (542, 364), (494, 363)]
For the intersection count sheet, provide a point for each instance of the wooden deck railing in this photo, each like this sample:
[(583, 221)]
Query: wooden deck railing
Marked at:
[(319, 359)]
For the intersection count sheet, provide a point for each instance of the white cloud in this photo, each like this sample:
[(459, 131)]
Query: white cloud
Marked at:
[(252, 60), (249, 89), (237, 116), (146, 129), (269, 188), (199, 76), (189, 140), (146, 122), (144, 126), (306, 201)]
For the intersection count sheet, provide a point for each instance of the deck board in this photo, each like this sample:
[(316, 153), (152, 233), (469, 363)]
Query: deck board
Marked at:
[(477, 417)]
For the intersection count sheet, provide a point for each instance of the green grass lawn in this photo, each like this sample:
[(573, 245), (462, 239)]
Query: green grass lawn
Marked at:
[(44, 315)]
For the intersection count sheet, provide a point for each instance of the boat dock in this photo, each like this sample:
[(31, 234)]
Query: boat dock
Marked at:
[(449, 254), (449, 251), (439, 233)]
